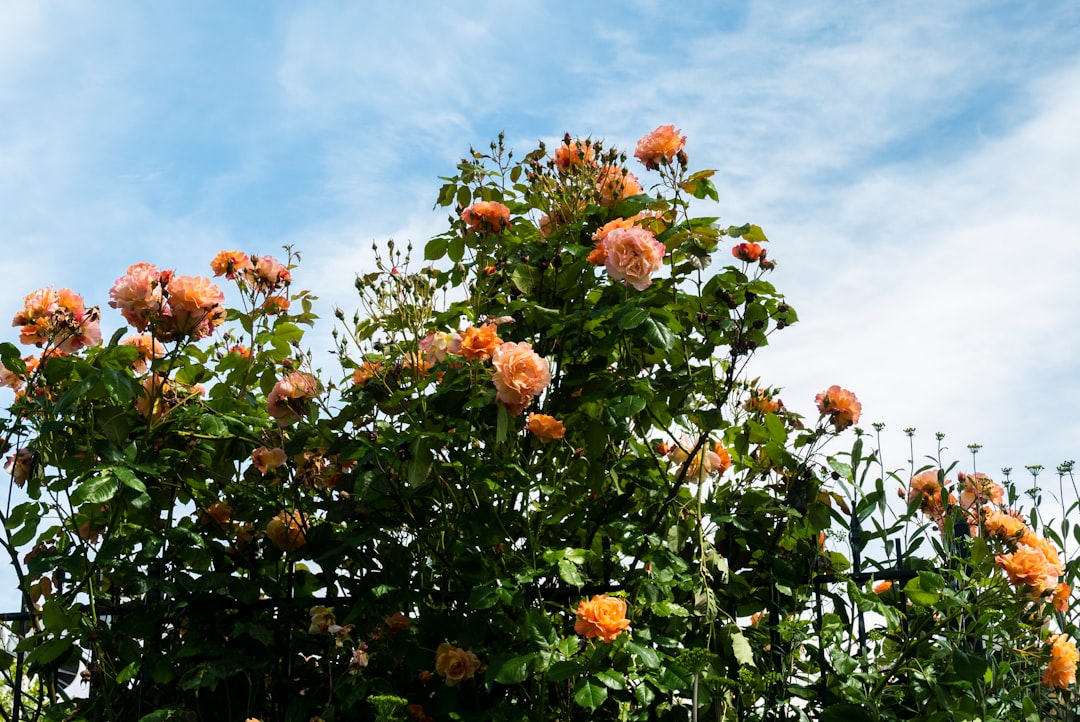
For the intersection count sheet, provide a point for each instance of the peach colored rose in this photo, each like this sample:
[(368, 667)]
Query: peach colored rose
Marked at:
[(157, 397), (366, 372), (194, 308), (1061, 597), (437, 344), (1027, 566), (231, 264), (218, 513), (615, 184), (748, 252), (265, 459), (573, 154), (603, 617), (840, 405), (478, 344), (706, 462), (288, 531), (288, 401), (978, 489), (149, 348), (1061, 670), (926, 488), (1007, 526), (455, 664), (59, 319), (520, 374), (632, 255), (16, 381), (660, 147), (20, 465), (546, 428), (1053, 560), (761, 402), (268, 275), (274, 305), (486, 216), (139, 295)]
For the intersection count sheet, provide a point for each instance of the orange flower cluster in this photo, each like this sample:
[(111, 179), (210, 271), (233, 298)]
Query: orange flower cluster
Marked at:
[(840, 405), (661, 147), (57, 319), (573, 154), (926, 488), (263, 273), (175, 307), (603, 617), (1061, 670), (455, 664), (486, 216)]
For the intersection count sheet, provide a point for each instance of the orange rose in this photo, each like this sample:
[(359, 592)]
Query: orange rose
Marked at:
[(660, 147), (478, 344), (926, 488), (1061, 597), (398, 622), (1027, 566), (761, 402), (546, 427), (288, 531), (1004, 525), (748, 252), (265, 459), (573, 154), (363, 374), (1053, 561), (486, 216), (979, 489), (455, 664), (616, 184), (603, 617), (882, 587), (520, 374), (840, 405), (1061, 671), (195, 307), (230, 264)]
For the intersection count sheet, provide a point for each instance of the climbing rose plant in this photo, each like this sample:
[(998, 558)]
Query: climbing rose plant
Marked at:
[(540, 486)]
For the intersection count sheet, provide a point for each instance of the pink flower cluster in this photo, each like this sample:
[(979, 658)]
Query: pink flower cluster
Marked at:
[(263, 273), (57, 319), (173, 307)]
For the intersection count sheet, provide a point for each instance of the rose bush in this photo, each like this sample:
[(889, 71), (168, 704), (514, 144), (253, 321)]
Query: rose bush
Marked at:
[(218, 528)]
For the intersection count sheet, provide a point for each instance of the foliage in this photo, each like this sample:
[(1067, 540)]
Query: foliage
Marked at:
[(542, 487)]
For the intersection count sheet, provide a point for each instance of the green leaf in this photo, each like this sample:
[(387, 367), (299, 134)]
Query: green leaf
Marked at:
[(212, 426), (422, 461), (611, 679), (627, 407), (564, 669), (632, 317), (919, 596), (657, 334), (98, 490), (664, 608), (754, 235), (455, 249), (570, 573), (128, 672), (435, 249), (740, 647), (502, 425), (589, 693), (516, 670), (127, 478), (645, 655), (845, 712)]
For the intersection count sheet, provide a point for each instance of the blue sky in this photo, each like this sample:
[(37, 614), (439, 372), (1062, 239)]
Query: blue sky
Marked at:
[(913, 164)]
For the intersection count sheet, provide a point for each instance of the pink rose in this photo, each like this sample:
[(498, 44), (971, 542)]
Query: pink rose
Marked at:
[(632, 255), (520, 374)]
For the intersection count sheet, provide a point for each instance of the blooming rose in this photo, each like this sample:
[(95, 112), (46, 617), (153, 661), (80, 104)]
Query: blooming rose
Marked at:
[(707, 461), (366, 372), (603, 617), (632, 255), (455, 664), (139, 294), (20, 465), (398, 622), (268, 275), (1053, 560), (231, 264), (437, 344), (840, 405), (266, 459), (882, 587), (195, 307), (15, 381), (926, 488), (573, 154), (478, 344), (322, 618), (660, 147), (288, 531), (520, 374), (1028, 566), (998, 523), (979, 489), (748, 252), (1061, 597), (486, 216), (545, 427), (289, 398), (274, 305), (219, 513), (149, 348), (1061, 670), (761, 402)]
